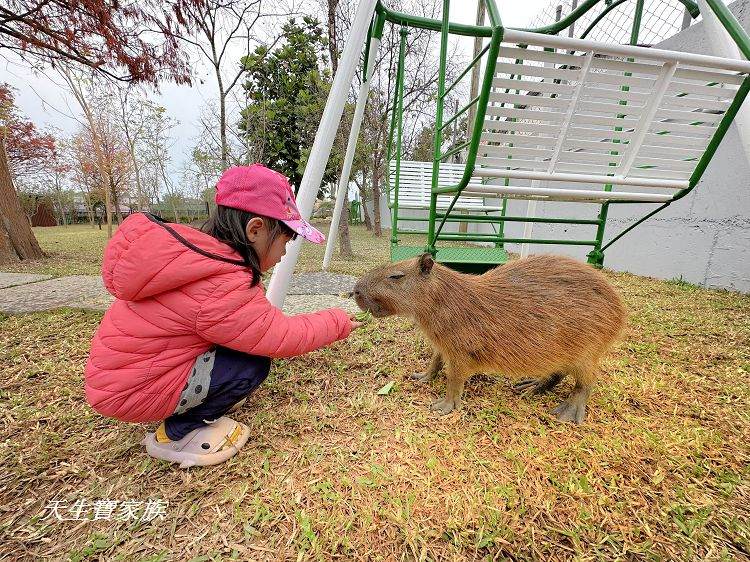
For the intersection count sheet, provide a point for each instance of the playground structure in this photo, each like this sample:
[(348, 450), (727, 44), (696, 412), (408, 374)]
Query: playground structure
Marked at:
[(554, 118)]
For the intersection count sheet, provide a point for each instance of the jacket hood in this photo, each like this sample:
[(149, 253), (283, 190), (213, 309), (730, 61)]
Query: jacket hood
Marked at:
[(147, 257)]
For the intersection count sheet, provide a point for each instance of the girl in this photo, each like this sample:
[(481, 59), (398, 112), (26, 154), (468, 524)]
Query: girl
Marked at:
[(191, 333)]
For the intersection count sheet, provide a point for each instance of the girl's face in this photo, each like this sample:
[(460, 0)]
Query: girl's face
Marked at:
[(269, 251)]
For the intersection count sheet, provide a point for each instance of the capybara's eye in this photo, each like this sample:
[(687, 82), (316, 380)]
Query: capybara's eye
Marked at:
[(396, 276)]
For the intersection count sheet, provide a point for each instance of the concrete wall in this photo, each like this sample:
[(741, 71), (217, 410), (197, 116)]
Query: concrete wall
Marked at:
[(703, 238)]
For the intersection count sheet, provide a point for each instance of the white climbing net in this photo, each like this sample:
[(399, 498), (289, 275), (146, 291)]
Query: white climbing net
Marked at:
[(661, 19)]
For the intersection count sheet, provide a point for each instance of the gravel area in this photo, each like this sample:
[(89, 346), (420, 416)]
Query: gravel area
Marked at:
[(321, 283), (13, 279), (21, 293)]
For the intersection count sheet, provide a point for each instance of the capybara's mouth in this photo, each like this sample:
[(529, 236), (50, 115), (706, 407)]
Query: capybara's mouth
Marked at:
[(371, 306)]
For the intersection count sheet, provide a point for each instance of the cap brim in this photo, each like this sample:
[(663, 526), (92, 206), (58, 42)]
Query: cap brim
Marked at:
[(306, 230)]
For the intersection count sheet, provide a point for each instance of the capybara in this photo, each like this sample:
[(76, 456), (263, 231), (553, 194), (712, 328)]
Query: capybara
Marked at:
[(542, 317)]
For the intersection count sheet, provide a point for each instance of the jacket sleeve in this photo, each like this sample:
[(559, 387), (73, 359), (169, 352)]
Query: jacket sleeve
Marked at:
[(242, 318)]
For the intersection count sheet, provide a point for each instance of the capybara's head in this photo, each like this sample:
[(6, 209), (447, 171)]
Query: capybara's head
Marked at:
[(394, 288)]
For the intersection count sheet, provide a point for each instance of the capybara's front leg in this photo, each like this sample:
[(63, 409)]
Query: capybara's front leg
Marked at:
[(435, 365), (454, 389)]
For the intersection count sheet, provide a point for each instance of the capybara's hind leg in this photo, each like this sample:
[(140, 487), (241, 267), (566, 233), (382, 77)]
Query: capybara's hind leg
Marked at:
[(453, 391), (435, 365), (573, 409), (538, 386)]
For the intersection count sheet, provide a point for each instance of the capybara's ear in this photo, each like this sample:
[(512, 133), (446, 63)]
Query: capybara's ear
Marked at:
[(426, 261)]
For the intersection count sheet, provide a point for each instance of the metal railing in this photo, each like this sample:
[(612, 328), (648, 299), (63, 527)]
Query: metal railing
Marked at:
[(495, 33)]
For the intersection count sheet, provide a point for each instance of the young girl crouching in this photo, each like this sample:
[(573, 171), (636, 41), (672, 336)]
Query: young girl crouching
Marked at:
[(191, 333)]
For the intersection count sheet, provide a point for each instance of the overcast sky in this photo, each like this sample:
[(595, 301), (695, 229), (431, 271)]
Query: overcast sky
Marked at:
[(46, 104)]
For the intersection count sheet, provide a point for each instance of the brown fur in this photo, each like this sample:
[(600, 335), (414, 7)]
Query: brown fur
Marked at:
[(543, 317)]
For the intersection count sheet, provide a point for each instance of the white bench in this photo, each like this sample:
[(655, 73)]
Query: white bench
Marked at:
[(552, 118), (415, 186)]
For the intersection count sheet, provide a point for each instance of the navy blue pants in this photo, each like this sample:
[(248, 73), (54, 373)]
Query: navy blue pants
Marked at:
[(232, 377)]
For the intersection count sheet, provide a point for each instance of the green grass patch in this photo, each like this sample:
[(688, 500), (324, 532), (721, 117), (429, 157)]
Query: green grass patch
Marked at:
[(659, 471)]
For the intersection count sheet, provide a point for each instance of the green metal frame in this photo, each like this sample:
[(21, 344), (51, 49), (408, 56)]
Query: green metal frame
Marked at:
[(487, 256)]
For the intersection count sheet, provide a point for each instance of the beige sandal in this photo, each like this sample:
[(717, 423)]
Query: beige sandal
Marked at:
[(219, 441)]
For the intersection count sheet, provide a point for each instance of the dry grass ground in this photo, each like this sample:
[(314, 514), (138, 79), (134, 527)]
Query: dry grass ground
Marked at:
[(660, 470)]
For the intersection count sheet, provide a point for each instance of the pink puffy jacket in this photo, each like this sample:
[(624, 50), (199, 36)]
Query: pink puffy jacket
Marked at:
[(172, 304)]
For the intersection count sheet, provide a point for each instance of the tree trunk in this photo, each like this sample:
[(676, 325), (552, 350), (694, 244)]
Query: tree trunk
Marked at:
[(115, 198), (222, 120), (17, 241), (89, 209), (345, 243), (137, 173), (376, 229), (7, 253), (366, 216), (363, 198)]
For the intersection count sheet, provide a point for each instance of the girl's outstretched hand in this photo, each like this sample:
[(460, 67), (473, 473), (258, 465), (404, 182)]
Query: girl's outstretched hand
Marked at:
[(355, 323)]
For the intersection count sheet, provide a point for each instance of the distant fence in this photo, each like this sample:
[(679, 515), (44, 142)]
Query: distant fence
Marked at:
[(78, 216)]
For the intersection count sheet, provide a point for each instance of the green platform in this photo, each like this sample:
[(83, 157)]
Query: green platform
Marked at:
[(470, 260)]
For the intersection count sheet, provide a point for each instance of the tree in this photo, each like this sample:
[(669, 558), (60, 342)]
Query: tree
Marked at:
[(21, 148), (420, 90), (205, 168), (83, 92), (156, 152), (286, 91), (27, 149), (60, 173), (127, 41), (85, 172), (136, 117), (223, 25)]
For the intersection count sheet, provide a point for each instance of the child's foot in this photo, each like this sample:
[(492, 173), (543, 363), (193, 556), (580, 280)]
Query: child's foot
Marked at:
[(217, 442)]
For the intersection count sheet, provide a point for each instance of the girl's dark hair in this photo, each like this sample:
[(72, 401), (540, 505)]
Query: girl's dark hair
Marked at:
[(228, 225)]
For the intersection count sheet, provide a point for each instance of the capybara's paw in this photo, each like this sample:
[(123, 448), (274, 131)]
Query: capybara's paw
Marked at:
[(445, 406), (537, 386), (421, 377), (526, 386), (570, 411)]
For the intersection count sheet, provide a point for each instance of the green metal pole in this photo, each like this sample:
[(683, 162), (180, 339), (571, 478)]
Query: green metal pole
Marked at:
[(399, 108), (596, 256), (636, 30), (581, 10), (391, 132), (600, 17), (438, 126), (399, 18), (491, 237), (721, 130), (501, 225), (476, 132), (732, 26), (487, 218)]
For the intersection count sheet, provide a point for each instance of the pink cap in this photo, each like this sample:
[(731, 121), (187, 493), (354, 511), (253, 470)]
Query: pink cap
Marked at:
[(262, 191)]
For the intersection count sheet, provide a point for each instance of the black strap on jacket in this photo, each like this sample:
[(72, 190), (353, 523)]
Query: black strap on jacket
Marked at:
[(164, 224)]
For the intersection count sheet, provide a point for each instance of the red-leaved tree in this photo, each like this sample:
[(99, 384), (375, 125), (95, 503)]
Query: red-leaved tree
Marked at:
[(127, 40), (130, 40), (28, 150)]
